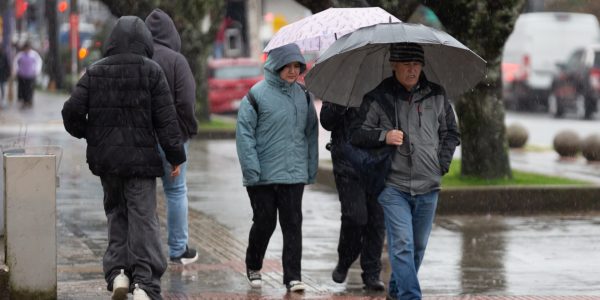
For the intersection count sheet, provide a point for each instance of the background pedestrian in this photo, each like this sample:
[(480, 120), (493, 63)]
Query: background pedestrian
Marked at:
[(26, 67), (4, 75), (167, 44), (362, 228)]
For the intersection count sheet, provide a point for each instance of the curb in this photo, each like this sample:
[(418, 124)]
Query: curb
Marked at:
[(215, 134), (505, 200)]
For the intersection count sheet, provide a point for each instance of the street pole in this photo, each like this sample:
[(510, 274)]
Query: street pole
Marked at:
[(53, 55), (74, 37)]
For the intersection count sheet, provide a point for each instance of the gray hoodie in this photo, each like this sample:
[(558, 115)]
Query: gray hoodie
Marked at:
[(167, 44)]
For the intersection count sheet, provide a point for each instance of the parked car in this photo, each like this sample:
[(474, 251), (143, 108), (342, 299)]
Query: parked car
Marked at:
[(576, 87), (229, 80), (537, 43)]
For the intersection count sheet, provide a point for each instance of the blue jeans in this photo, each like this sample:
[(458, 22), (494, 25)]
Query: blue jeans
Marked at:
[(408, 222), (177, 205)]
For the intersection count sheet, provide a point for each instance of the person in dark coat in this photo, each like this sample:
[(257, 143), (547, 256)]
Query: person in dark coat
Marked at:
[(362, 229), (122, 105), (167, 44), (4, 74)]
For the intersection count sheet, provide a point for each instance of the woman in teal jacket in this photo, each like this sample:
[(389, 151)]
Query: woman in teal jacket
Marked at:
[(276, 137)]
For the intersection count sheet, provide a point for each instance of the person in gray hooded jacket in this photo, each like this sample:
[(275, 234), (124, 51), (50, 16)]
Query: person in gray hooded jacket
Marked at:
[(183, 89), (278, 152), (413, 119)]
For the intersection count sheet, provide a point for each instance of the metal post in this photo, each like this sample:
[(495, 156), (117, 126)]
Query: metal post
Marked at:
[(74, 37)]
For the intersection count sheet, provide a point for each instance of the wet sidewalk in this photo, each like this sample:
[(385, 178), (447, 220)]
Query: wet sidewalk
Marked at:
[(469, 257)]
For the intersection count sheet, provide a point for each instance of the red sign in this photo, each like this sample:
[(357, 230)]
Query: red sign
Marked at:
[(74, 32)]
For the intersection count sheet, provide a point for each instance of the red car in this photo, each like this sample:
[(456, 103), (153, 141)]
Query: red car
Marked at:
[(229, 80)]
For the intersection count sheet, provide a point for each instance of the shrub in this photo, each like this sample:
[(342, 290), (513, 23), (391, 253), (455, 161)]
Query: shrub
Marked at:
[(591, 148), (516, 135), (567, 143)]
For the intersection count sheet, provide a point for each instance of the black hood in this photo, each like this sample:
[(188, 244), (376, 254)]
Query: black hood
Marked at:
[(130, 35), (163, 29)]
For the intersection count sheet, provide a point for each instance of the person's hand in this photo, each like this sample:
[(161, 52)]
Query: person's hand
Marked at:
[(394, 137), (175, 170)]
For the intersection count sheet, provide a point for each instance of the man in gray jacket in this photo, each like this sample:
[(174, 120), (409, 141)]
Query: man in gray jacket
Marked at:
[(412, 118), (167, 44)]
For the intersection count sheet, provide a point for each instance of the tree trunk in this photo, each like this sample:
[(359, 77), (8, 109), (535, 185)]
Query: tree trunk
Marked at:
[(484, 149), (482, 26)]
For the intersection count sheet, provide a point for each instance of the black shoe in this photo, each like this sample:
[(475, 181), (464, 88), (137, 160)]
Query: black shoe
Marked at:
[(373, 283), (189, 256), (339, 274), (295, 286)]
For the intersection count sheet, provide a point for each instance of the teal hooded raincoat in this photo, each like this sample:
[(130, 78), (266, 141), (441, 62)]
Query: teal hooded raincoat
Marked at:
[(278, 144)]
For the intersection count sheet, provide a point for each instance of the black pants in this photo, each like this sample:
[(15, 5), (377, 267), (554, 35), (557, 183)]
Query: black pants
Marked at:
[(266, 201), (25, 90), (363, 229), (133, 233)]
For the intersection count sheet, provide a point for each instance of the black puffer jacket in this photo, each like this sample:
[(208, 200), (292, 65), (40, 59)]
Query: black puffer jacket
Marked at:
[(122, 104)]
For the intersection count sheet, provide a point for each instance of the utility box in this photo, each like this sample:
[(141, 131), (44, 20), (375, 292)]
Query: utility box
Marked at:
[(30, 183)]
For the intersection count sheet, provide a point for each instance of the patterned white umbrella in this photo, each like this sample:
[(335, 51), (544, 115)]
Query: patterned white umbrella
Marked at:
[(319, 31), (356, 63)]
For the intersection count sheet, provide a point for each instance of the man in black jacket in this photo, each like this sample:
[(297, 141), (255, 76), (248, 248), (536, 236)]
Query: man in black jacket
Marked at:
[(121, 106), (362, 229), (413, 118), (183, 89)]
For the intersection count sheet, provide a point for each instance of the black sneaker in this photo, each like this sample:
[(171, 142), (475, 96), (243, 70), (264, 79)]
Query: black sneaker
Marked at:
[(189, 256), (339, 274), (254, 278), (296, 286), (373, 283)]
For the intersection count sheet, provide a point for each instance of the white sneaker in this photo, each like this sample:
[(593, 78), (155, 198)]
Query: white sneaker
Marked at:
[(120, 286), (139, 293), (296, 286)]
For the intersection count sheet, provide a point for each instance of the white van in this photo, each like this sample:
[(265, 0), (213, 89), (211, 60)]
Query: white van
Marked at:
[(538, 42)]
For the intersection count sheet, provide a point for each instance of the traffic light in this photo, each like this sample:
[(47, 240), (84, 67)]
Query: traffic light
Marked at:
[(20, 8), (62, 6), (82, 53)]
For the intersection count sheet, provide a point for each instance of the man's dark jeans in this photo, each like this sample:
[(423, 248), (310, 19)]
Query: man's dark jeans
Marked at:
[(266, 201)]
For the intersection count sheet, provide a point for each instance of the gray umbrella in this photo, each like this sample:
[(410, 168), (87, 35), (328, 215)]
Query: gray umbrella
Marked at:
[(356, 63)]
